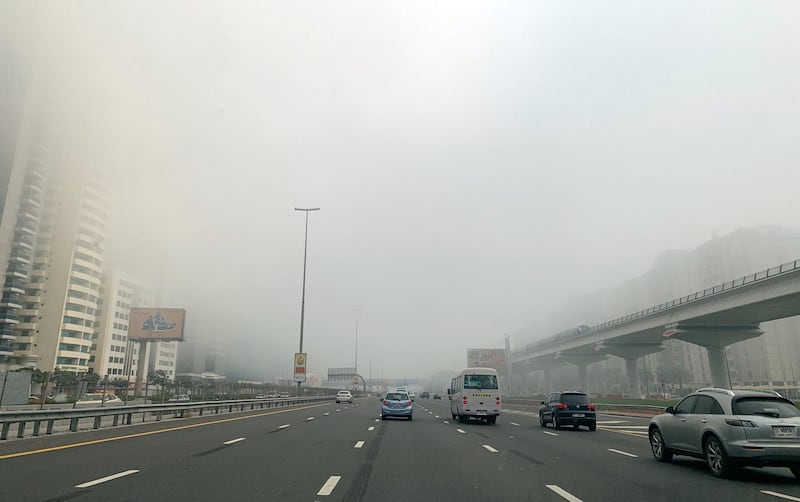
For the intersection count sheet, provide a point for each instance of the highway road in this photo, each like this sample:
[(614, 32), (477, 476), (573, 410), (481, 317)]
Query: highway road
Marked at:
[(329, 452)]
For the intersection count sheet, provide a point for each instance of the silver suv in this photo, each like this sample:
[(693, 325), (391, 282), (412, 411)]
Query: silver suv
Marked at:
[(730, 428)]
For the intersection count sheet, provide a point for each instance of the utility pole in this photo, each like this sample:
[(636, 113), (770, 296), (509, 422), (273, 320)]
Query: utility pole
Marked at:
[(303, 299)]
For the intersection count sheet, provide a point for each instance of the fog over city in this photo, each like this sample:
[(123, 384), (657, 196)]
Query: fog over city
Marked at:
[(476, 164)]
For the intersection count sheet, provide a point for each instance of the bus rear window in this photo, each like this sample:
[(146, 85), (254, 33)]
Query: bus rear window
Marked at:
[(480, 382)]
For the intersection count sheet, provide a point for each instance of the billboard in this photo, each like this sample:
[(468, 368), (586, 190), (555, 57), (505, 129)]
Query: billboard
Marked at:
[(156, 324), (340, 374), (300, 359), (487, 358)]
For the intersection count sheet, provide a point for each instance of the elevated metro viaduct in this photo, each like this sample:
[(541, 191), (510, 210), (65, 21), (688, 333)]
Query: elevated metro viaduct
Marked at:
[(713, 318)]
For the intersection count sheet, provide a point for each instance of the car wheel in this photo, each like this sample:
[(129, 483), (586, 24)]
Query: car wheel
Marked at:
[(542, 423), (409, 418), (593, 427), (658, 447), (462, 419), (576, 426), (556, 425), (716, 458)]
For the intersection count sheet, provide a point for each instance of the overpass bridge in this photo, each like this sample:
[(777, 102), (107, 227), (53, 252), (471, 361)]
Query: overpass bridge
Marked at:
[(713, 318)]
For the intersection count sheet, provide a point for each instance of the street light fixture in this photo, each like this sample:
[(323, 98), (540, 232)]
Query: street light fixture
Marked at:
[(303, 299)]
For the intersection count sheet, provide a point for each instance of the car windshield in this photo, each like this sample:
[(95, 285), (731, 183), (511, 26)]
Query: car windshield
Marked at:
[(765, 406), (397, 396), (480, 382), (574, 399)]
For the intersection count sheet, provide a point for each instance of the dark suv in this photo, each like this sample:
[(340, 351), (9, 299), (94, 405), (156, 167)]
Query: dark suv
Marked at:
[(568, 408)]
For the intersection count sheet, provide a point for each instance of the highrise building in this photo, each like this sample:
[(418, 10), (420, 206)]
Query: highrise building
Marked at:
[(113, 354)]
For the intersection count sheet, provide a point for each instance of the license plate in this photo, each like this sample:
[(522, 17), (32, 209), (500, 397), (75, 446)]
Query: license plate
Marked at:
[(578, 415), (481, 412), (783, 432)]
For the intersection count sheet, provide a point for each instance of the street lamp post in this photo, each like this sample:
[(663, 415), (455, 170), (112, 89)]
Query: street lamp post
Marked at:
[(303, 298)]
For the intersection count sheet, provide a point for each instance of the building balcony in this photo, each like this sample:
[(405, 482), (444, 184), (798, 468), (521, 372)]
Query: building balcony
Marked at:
[(10, 301), (19, 258), (14, 286), (6, 348)]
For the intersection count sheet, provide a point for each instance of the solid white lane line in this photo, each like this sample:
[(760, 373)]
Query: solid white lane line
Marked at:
[(461, 431), (309, 419), (371, 428), (107, 478), (623, 453), (516, 424), (234, 441), (329, 485), (284, 426), (780, 495), (550, 433), (359, 444), (489, 448), (445, 421), (564, 493)]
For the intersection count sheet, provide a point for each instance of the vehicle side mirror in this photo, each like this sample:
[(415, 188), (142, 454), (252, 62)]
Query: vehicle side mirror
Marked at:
[(670, 410)]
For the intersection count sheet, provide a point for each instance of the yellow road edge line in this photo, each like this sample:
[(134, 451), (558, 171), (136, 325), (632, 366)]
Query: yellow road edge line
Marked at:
[(149, 433)]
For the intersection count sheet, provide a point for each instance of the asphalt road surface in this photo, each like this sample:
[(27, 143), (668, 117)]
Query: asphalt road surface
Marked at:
[(336, 452)]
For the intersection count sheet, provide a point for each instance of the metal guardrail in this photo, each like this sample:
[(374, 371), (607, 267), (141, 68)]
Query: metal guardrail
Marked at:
[(123, 415), (770, 273)]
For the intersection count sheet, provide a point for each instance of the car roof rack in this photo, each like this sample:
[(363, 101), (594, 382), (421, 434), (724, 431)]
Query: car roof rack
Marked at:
[(717, 391)]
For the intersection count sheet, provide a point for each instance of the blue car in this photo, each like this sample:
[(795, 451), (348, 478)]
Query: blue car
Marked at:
[(396, 404)]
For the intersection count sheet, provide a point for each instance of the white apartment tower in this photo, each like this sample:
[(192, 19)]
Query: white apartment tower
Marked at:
[(113, 354)]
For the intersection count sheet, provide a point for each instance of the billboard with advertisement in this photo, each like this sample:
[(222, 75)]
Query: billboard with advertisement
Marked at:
[(159, 324), (487, 358), (300, 360)]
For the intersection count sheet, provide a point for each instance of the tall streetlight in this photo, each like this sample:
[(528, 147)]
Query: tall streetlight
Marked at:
[(303, 300)]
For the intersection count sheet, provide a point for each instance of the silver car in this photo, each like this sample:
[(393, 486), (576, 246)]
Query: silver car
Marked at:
[(729, 429)]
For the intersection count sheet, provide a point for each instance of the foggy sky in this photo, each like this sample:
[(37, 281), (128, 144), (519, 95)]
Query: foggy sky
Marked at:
[(476, 163)]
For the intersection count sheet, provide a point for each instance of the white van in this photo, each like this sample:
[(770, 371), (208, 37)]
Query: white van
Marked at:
[(474, 393)]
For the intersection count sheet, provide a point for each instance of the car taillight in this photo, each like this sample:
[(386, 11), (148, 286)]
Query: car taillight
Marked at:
[(591, 407), (465, 400), (739, 423), (562, 406), (408, 403), (498, 401), (386, 403)]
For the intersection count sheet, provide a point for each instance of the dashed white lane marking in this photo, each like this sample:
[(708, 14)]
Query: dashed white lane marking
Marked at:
[(780, 495), (234, 441), (309, 419), (462, 431), (489, 448), (107, 478), (329, 485), (515, 424), (371, 428), (510, 437), (284, 426), (445, 421), (377, 419), (611, 422), (564, 493), (326, 413), (550, 433), (624, 427), (359, 444), (338, 410), (623, 453), (436, 416)]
